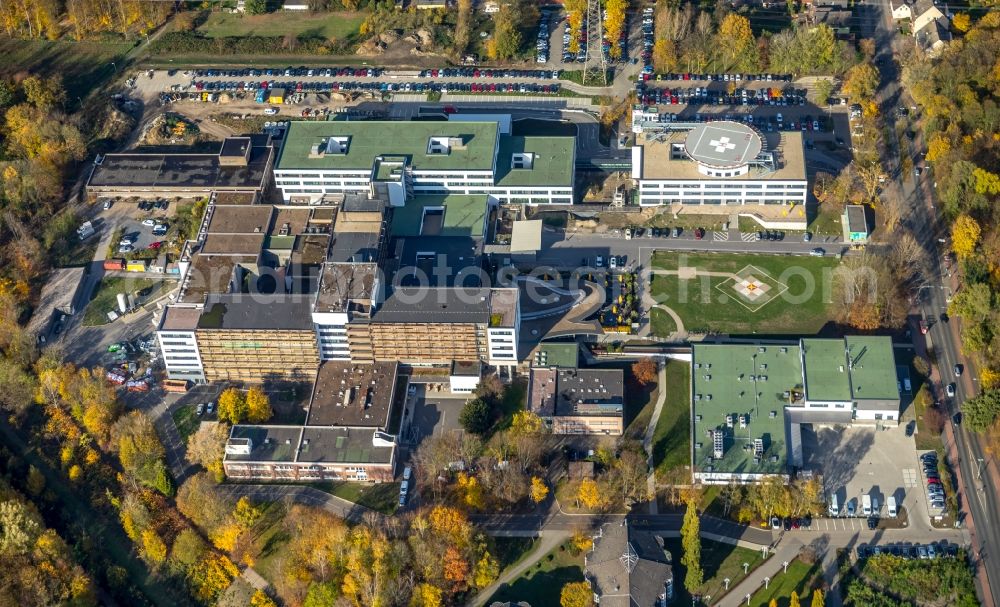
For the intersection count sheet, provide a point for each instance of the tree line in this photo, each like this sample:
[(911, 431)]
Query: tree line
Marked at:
[(49, 19)]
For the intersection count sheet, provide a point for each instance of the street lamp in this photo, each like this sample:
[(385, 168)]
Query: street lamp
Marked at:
[(726, 582), (767, 581), (746, 568), (114, 65), (748, 599), (785, 565)]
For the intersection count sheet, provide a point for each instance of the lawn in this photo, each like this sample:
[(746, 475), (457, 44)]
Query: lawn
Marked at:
[(510, 551), (542, 583), (826, 223), (324, 25), (105, 298), (672, 438), (800, 578), (186, 421), (796, 292), (382, 497), (718, 562), (661, 324), (83, 65)]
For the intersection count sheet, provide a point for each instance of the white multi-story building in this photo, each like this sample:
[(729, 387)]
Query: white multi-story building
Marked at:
[(398, 160), (176, 335), (718, 163)]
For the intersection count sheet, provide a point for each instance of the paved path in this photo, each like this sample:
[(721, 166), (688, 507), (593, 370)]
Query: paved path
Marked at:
[(548, 540), (302, 495), (771, 568), (647, 439)]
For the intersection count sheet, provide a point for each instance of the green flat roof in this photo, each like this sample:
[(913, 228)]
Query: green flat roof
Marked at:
[(390, 138), (553, 161), (463, 215), (873, 374), (721, 376), (826, 374), (566, 356)]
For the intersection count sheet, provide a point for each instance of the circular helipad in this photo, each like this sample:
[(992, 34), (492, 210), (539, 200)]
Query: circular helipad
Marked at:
[(723, 145)]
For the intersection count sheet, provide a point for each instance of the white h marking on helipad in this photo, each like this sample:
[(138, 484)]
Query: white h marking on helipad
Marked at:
[(722, 144)]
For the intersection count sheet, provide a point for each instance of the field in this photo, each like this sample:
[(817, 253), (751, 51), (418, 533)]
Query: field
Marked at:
[(83, 65), (660, 323), (543, 581), (799, 579), (382, 497), (672, 438), (329, 25), (718, 562), (106, 293), (745, 293)]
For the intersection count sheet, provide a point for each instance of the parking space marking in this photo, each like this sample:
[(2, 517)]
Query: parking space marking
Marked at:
[(909, 477), (748, 236), (720, 236)]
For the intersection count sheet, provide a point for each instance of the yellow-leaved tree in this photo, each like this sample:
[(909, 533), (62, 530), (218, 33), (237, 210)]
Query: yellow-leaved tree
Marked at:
[(539, 490), (965, 234), (576, 594), (589, 494), (258, 406)]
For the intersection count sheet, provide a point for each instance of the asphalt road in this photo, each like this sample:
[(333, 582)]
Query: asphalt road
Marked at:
[(924, 221)]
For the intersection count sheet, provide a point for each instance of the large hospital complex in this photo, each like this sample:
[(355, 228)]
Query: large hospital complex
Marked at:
[(347, 255)]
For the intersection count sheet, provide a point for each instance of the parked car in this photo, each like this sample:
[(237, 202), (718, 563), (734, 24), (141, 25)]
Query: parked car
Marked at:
[(699, 233), (200, 409), (950, 390), (958, 370), (107, 204), (148, 222)]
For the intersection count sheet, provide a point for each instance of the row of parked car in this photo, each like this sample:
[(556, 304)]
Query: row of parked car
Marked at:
[(647, 43), (384, 87), (723, 77), (475, 72), (357, 72), (699, 94), (909, 551), (542, 42), (764, 123), (935, 490)]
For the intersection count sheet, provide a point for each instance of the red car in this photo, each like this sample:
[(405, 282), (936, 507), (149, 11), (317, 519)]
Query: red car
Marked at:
[(155, 245), (450, 109), (699, 234)]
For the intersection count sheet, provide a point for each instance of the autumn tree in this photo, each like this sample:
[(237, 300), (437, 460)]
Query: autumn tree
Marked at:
[(539, 490), (938, 147), (232, 406), (818, 600), (589, 494), (691, 544), (861, 82), (736, 40), (793, 599), (665, 55), (260, 599), (644, 371), (463, 26), (154, 551), (258, 406), (486, 572), (773, 603), (426, 595), (506, 33), (965, 233), (576, 594), (581, 542), (961, 22), (614, 24), (140, 451), (206, 448)]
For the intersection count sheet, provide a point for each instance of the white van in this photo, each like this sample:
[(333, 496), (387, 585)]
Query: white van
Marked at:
[(834, 506), (890, 505), (866, 505)]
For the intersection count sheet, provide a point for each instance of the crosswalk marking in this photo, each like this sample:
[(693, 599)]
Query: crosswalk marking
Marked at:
[(720, 235), (748, 236)]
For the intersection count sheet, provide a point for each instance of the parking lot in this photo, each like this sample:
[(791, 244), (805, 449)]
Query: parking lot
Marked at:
[(435, 413), (857, 461)]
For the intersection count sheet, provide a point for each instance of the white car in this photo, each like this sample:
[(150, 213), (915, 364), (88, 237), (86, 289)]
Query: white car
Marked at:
[(200, 409), (404, 487), (612, 262), (271, 111), (125, 242), (107, 205), (210, 408), (148, 222), (599, 262)]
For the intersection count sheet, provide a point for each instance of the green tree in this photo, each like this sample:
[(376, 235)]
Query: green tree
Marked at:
[(973, 303), (981, 411), (255, 7), (691, 544), (506, 34), (475, 416), (321, 594), (823, 89)]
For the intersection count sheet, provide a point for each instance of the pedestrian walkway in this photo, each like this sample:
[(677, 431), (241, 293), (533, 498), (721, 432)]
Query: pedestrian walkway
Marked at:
[(547, 542), (772, 569), (647, 439)]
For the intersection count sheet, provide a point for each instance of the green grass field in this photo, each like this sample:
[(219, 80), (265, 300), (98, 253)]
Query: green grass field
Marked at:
[(799, 579), (382, 497), (799, 290), (661, 324), (542, 583), (718, 562), (83, 65), (672, 438), (325, 25), (106, 293), (186, 421)]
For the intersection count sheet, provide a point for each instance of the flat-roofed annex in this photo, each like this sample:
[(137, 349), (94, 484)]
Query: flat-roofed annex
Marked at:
[(470, 145), (353, 395)]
